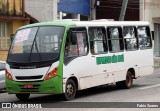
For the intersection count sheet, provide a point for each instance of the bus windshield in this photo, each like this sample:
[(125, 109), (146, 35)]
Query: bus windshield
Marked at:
[(36, 44)]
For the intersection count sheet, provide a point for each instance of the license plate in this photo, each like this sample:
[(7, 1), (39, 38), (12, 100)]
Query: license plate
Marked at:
[(28, 86)]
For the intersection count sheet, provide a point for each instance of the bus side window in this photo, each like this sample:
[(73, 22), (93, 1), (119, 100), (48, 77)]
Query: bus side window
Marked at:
[(98, 42), (76, 43), (115, 39), (144, 37), (130, 38)]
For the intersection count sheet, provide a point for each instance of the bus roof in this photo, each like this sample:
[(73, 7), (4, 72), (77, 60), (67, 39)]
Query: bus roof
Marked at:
[(66, 23), (111, 23), (56, 23)]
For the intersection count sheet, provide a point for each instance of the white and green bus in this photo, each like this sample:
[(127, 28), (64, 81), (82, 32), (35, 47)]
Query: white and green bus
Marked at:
[(62, 57)]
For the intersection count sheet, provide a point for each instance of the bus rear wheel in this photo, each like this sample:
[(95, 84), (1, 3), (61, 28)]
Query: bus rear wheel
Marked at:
[(126, 84), (70, 90), (23, 97)]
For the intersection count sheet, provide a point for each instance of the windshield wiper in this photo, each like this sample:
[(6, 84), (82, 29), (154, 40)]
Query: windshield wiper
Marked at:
[(38, 50), (29, 59)]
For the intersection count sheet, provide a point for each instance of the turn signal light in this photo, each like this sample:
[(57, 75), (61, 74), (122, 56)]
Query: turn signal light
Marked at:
[(8, 75), (51, 74)]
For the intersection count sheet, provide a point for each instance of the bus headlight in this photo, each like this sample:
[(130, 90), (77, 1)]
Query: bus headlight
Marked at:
[(51, 74), (8, 75)]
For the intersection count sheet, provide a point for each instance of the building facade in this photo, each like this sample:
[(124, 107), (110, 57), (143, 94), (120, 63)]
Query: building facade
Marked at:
[(51, 10), (12, 16), (110, 9), (74, 9), (149, 11), (42, 10)]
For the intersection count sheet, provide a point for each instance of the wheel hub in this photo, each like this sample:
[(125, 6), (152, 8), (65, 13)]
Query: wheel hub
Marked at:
[(69, 89)]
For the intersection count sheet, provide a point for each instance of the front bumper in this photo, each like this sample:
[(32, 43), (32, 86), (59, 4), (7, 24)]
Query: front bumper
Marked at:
[(51, 86)]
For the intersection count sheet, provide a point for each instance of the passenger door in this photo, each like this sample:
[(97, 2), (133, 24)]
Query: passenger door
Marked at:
[(76, 59), (98, 49)]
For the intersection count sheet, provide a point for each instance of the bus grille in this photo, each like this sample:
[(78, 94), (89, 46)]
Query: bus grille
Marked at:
[(28, 77)]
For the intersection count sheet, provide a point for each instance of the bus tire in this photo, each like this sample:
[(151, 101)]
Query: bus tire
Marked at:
[(23, 97), (126, 84), (70, 90)]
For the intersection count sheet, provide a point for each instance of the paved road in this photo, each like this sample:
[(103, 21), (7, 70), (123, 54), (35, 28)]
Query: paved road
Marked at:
[(145, 89)]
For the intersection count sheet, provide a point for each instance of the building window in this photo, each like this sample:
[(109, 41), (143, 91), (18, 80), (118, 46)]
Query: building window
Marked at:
[(3, 29), (144, 37), (4, 36), (115, 39), (130, 38), (98, 42)]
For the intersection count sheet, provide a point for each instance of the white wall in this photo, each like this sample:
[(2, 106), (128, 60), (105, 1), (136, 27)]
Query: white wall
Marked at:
[(42, 10), (149, 9)]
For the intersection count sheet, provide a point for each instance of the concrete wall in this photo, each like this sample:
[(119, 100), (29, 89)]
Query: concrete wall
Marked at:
[(149, 9), (42, 10), (157, 40)]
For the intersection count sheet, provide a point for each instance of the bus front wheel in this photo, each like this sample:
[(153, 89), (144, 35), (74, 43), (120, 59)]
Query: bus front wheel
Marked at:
[(70, 90), (23, 97), (126, 84)]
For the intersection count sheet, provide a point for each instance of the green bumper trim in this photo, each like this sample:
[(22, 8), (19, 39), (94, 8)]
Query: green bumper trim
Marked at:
[(51, 86)]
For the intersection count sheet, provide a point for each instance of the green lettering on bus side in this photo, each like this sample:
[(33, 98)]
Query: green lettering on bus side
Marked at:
[(98, 60), (104, 60), (110, 59), (114, 59), (121, 58)]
